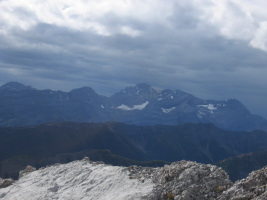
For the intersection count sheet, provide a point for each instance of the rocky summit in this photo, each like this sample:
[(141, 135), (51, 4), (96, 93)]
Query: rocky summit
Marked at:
[(85, 179), (253, 187), (141, 104), (88, 180)]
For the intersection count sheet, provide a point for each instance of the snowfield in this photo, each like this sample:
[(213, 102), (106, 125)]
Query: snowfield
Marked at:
[(165, 110), (78, 180), (209, 107), (135, 107)]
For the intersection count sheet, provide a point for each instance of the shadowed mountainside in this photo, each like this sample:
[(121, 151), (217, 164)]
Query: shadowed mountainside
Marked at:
[(197, 142), (11, 166), (240, 166)]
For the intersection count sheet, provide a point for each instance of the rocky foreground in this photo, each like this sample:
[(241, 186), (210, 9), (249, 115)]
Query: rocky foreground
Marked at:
[(183, 180)]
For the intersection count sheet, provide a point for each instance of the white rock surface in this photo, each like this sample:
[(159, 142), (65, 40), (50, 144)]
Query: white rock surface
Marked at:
[(78, 180), (87, 180)]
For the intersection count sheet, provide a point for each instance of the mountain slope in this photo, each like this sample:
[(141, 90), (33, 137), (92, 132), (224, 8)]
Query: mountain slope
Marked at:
[(203, 143), (50, 139), (240, 166), (198, 142), (22, 105)]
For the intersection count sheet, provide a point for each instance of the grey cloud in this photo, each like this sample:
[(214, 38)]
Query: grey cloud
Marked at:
[(181, 54)]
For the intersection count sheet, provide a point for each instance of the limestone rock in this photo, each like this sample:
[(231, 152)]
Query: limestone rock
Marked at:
[(86, 159), (254, 187), (26, 170), (6, 182), (183, 180), (187, 180)]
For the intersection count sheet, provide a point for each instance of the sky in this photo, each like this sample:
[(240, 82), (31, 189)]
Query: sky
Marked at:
[(209, 48)]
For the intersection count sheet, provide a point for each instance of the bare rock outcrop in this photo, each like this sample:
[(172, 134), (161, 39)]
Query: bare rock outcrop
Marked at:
[(254, 187), (187, 180), (26, 170), (6, 182), (184, 180)]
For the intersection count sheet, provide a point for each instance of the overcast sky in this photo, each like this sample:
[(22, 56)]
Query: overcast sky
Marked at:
[(209, 48)]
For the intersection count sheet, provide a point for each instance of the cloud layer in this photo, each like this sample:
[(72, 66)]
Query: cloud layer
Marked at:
[(212, 49)]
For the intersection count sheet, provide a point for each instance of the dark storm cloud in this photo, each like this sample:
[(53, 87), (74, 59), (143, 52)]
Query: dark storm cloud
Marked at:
[(186, 45)]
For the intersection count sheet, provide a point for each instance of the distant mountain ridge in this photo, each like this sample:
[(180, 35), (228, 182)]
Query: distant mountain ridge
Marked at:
[(22, 105)]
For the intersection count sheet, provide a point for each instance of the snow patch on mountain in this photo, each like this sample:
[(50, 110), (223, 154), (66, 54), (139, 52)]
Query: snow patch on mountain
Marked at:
[(135, 107), (209, 107), (81, 180), (168, 110)]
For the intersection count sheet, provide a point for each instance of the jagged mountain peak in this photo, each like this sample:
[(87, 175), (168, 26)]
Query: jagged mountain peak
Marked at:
[(140, 88), (15, 86), (135, 94), (143, 86), (173, 93), (83, 92), (84, 89)]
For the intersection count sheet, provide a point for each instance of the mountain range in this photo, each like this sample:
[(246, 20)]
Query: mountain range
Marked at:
[(22, 105)]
